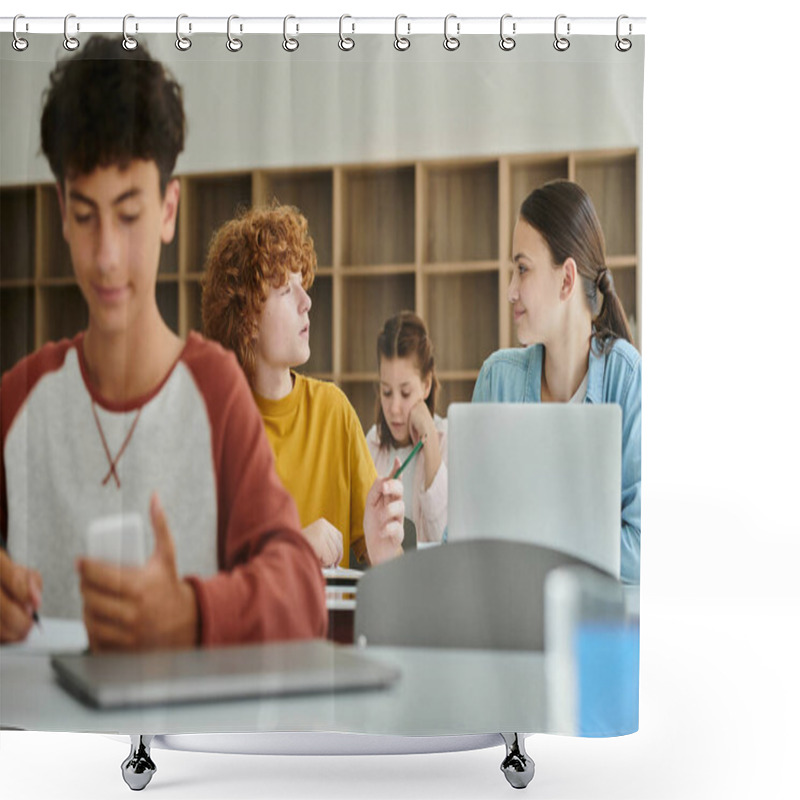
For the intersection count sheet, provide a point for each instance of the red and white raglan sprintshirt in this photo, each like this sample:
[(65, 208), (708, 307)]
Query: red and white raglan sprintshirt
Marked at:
[(200, 443)]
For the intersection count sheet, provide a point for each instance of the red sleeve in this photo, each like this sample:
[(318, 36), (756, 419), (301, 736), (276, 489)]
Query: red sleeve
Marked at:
[(270, 586), (15, 386)]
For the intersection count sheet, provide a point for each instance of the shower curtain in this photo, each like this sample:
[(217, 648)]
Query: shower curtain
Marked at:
[(410, 162)]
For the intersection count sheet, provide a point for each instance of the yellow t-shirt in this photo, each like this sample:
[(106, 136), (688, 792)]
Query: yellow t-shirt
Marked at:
[(321, 455)]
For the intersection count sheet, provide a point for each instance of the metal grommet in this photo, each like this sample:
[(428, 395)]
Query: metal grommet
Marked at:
[(401, 42), (233, 44), (70, 42), (623, 45), (18, 43), (451, 42), (182, 42), (507, 42), (128, 42), (345, 42), (290, 44), (561, 43)]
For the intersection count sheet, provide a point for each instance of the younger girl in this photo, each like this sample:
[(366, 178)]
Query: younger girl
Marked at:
[(405, 413)]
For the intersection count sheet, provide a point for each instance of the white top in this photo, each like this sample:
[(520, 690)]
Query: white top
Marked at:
[(580, 392), (426, 508)]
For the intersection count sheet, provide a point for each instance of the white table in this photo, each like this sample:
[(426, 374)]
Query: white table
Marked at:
[(506, 691)]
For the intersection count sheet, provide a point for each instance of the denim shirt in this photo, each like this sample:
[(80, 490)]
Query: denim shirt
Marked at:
[(515, 376)]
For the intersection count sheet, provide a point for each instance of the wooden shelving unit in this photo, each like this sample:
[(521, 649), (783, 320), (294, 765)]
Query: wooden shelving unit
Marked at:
[(434, 236)]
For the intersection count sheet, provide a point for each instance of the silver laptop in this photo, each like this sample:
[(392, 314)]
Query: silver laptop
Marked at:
[(545, 473), (221, 673)]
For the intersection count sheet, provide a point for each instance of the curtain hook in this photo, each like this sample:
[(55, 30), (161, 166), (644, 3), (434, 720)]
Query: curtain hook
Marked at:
[(233, 44), (401, 42), (128, 42), (18, 43), (507, 42), (70, 42), (346, 42), (561, 43), (623, 45), (290, 44), (182, 42), (451, 42)]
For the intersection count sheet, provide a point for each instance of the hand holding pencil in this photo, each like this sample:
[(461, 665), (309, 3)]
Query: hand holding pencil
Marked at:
[(383, 517), (20, 597)]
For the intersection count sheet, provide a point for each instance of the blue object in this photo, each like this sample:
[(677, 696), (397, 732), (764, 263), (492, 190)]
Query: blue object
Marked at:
[(607, 659)]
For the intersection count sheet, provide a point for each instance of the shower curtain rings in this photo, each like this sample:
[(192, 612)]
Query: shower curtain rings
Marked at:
[(623, 45), (290, 44), (451, 42), (70, 42), (128, 42), (401, 42), (561, 43), (507, 42), (345, 42), (18, 43), (233, 44), (182, 42)]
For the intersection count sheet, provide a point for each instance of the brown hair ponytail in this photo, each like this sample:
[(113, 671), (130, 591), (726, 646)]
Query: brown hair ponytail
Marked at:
[(564, 215)]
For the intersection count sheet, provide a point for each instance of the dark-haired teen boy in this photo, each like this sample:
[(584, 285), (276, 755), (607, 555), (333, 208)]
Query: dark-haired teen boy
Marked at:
[(127, 417)]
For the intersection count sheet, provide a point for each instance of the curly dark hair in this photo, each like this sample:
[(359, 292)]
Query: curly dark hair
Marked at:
[(248, 256), (107, 105)]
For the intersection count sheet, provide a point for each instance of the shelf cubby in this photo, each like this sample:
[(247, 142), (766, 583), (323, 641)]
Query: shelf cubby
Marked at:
[(363, 395), (54, 253), (167, 300), (192, 303), (208, 202), (369, 302), (462, 316), (17, 234), (321, 316), (461, 213), (378, 224), (17, 328), (611, 183)]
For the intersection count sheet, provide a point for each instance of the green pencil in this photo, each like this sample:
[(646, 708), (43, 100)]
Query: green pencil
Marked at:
[(411, 455)]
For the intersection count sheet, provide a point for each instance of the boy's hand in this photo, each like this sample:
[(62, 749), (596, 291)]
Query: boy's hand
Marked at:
[(383, 518), (327, 541), (20, 596), (139, 608)]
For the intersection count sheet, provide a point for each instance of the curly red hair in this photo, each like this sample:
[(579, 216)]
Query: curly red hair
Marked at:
[(249, 255)]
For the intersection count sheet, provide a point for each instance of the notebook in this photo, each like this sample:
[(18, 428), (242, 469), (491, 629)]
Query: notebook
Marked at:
[(222, 673), (545, 473)]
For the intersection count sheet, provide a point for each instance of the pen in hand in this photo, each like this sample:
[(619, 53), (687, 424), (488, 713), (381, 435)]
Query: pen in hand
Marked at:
[(34, 590), (411, 455), (12, 584)]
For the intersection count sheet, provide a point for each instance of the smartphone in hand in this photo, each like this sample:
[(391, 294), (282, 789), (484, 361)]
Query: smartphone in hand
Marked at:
[(118, 539)]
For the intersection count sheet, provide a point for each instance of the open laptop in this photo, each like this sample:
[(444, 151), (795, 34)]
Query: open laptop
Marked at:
[(220, 673), (545, 473)]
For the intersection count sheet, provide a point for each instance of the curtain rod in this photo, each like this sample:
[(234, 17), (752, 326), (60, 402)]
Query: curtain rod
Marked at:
[(402, 25)]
